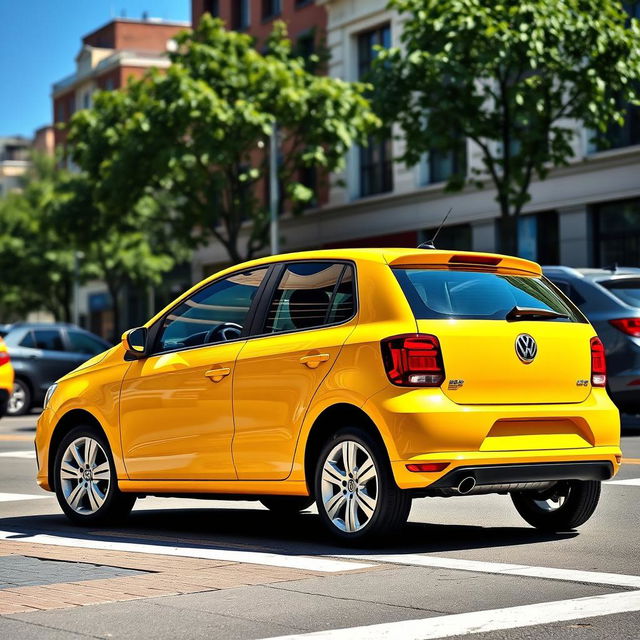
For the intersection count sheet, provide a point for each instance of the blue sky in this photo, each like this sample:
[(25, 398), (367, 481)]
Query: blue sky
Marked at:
[(39, 40)]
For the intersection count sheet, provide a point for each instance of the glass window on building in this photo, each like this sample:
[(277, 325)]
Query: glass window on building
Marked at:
[(453, 236), (376, 159), (240, 15), (538, 237), (212, 7), (271, 9), (617, 233)]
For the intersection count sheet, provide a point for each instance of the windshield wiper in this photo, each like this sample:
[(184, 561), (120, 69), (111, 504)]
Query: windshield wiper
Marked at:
[(531, 313)]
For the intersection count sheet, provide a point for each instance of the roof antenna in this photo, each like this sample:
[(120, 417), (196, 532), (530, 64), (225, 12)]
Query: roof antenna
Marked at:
[(429, 244)]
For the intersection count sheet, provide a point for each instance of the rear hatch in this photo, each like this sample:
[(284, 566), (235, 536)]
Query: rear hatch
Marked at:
[(506, 335)]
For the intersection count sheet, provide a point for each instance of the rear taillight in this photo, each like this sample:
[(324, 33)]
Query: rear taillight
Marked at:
[(630, 326), (598, 363), (4, 358), (413, 360)]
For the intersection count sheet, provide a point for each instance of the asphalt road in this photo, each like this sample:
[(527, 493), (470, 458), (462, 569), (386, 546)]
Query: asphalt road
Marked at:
[(422, 585)]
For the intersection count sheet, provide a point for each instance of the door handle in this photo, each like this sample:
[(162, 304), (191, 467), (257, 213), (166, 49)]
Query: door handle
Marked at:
[(215, 375), (314, 360)]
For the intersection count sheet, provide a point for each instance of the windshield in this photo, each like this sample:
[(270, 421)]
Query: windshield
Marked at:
[(479, 295), (627, 290)]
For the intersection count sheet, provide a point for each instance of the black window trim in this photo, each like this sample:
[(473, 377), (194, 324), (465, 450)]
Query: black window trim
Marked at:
[(155, 328), (256, 318), (260, 319)]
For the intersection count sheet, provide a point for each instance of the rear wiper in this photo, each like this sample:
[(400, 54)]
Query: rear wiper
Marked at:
[(531, 313)]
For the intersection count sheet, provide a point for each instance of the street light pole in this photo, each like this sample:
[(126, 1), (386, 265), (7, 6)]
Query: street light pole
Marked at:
[(274, 193)]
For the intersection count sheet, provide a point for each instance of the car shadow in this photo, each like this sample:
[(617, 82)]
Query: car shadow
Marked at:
[(258, 530)]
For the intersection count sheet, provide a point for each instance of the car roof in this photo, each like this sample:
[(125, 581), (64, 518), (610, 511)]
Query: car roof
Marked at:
[(593, 274), (395, 256)]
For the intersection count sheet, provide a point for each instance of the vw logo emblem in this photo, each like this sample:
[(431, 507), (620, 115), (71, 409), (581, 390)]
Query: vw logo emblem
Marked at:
[(526, 348)]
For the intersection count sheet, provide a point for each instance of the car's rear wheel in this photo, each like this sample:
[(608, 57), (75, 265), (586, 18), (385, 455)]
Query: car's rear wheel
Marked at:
[(287, 505), (356, 494), (85, 479), (564, 506), (20, 400)]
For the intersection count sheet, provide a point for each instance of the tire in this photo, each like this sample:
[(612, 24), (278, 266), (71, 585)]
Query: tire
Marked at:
[(372, 506), (287, 505), (565, 506), (20, 400), (87, 499)]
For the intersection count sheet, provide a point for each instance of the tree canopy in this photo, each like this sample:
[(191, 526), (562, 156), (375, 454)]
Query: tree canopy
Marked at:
[(197, 134), (512, 76)]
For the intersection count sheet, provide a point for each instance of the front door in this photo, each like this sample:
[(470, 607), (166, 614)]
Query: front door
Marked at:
[(176, 415), (310, 315)]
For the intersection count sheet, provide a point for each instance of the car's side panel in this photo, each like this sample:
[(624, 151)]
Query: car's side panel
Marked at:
[(176, 415)]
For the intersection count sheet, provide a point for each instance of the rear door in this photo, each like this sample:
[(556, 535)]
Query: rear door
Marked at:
[(490, 359), (82, 346), (51, 361), (304, 325)]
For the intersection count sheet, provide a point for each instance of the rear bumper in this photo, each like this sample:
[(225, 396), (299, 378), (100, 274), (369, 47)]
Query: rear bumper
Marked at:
[(504, 475)]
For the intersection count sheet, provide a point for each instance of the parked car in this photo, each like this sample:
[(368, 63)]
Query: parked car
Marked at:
[(6, 378), (42, 353), (360, 379), (4, 329), (610, 298)]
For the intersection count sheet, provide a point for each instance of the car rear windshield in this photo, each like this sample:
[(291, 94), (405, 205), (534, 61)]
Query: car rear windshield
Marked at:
[(478, 295), (627, 290)]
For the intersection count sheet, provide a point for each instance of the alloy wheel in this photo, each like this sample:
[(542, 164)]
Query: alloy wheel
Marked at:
[(85, 475), (17, 399), (554, 498), (349, 486)]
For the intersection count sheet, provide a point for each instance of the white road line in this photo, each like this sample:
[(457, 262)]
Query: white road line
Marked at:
[(326, 565), (633, 482), (14, 497), (25, 455), (549, 573), (482, 621)]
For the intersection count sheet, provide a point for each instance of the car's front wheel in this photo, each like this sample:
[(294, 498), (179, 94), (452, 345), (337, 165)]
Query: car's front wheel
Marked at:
[(566, 505), (20, 400), (356, 494), (85, 479)]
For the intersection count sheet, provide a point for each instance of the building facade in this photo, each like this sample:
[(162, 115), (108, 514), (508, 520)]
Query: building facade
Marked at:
[(585, 214), (14, 162), (109, 56)]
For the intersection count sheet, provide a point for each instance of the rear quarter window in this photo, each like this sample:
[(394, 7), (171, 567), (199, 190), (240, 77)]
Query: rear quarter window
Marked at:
[(627, 290), (478, 295)]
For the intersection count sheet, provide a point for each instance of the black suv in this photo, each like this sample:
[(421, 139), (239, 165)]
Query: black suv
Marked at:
[(42, 353)]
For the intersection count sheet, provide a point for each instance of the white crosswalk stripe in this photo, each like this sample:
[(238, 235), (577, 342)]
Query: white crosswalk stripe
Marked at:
[(15, 497), (631, 482), (24, 455)]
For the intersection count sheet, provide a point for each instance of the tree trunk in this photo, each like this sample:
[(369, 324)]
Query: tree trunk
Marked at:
[(114, 291), (508, 235)]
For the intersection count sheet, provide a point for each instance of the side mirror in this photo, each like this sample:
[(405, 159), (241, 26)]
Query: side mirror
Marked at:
[(135, 342)]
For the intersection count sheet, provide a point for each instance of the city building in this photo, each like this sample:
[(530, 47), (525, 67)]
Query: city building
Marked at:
[(44, 140), (585, 214), (120, 49), (109, 56), (14, 162)]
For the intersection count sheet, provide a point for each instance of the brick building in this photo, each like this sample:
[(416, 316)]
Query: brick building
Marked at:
[(108, 57)]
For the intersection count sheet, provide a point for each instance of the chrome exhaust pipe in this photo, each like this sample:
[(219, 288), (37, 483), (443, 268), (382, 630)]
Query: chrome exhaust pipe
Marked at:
[(467, 485)]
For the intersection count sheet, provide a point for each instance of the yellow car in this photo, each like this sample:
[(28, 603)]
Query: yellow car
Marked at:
[(6, 378), (358, 379)]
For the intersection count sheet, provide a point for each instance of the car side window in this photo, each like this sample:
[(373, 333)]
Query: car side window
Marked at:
[(569, 291), (28, 341), (82, 343), (311, 294), (48, 339), (216, 313)]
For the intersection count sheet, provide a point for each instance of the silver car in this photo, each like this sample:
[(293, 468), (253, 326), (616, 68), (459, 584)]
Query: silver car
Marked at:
[(610, 298)]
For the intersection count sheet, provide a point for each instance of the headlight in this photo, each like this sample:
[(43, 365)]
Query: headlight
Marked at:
[(47, 397)]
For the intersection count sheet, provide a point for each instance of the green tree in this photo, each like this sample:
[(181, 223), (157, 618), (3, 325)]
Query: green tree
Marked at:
[(36, 261), (120, 246), (198, 134), (511, 75)]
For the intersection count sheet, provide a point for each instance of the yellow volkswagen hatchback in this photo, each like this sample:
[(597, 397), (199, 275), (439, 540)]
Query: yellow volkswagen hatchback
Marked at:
[(357, 379)]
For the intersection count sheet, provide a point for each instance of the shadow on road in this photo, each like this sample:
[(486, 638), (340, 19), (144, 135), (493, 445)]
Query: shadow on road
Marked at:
[(257, 530)]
